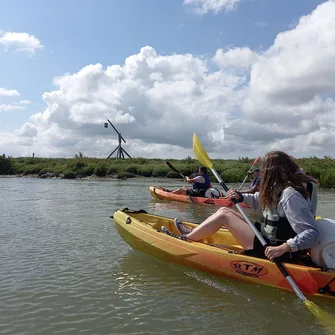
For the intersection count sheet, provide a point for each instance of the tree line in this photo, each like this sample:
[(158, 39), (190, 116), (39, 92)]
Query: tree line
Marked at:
[(231, 171)]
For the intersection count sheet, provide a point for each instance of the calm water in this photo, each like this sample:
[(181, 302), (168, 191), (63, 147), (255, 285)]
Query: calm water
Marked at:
[(65, 270)]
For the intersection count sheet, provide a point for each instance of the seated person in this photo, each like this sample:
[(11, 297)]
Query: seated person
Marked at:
[(287, 223), (254, 186), (201, 183)]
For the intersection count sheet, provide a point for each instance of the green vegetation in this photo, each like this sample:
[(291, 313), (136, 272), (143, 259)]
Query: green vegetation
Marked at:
[(231, 170)]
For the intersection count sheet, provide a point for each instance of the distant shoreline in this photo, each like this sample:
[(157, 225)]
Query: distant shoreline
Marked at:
[(89, 168), (94, 177)]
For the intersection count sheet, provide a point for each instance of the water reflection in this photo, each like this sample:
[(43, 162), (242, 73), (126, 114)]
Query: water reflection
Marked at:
[(65, 269), (195, 295)]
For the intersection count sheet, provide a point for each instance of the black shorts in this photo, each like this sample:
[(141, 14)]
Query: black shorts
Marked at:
[(258, 250), (193, 193)]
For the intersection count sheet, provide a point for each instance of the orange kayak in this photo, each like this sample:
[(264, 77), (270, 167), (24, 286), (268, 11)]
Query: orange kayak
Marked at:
[(162, 194), (219, 254)]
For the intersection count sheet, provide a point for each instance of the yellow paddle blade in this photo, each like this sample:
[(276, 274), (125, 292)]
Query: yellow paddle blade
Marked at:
[(200, 153), (326, 319)]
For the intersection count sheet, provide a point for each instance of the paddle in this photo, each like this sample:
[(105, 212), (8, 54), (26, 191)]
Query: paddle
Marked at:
[(250, 170), (202, 156), (174, 169), (253, 165)]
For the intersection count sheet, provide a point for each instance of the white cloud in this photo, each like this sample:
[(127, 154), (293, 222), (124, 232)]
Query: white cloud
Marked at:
[(27, 130), (261, 24), (254, 101), (20, 42), (149, 100), (8, 93), (298, 67), (235, 58), (25, 102), (8, 107), (215, 6)]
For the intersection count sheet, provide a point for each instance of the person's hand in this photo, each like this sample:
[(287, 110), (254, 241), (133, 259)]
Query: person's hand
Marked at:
[(187, 179), (232, 194), (274, 252)]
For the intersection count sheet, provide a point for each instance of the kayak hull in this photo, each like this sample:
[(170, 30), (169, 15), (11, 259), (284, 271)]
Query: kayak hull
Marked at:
[(159, 193), (219, 254)]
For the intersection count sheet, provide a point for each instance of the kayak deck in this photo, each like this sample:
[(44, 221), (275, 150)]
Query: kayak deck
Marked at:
[(219, 254), (163, 194)]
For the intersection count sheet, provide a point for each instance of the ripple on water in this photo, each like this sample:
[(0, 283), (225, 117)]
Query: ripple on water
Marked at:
[(65, 270)]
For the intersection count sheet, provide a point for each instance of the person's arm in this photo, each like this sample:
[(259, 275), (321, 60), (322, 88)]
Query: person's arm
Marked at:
[(301, 219), (197, 179), (252, 199), (254, 189), (297, 211), (247, 198)]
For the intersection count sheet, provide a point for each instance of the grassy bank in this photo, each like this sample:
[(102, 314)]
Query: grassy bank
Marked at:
[(231, 170)]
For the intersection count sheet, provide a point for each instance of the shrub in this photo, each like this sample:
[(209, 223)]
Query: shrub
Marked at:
[(125, 175), (232, 175), (112, 170), (77, 164), (6, 166), (327, 179), (32, 169), (140, 160), (88, 170), (69, 174), (146, 171), (160, 171), (100, 170), (132, 169)]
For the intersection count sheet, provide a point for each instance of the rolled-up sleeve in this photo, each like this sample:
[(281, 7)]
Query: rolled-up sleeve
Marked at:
[(252, 200), (301, 219)]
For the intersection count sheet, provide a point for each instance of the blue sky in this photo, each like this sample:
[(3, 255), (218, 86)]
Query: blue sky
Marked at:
[(78, 33)]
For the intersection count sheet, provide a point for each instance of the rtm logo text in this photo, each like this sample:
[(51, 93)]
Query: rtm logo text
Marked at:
[(248, 268)]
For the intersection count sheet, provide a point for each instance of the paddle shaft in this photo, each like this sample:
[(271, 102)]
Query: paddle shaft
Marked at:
[(261, 239), (174, 169)]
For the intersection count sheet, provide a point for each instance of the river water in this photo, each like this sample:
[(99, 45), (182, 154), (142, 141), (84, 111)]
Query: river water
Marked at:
[(65, 270)]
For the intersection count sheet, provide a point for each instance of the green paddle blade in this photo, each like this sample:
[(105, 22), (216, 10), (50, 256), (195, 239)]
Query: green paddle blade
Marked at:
[(200, 153)]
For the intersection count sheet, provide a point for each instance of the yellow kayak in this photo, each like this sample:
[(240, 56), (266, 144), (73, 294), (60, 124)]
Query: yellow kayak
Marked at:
[(220, 254)]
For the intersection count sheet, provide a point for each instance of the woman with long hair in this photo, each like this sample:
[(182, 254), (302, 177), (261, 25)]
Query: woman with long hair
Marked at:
[(287, 223)]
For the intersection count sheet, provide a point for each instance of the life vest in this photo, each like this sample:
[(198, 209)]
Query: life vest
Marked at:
[(278, 229), (274, 227), (253, 182), (202, 186)]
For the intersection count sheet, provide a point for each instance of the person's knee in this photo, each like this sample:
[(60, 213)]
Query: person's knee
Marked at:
[(223, 212), (226, 216)]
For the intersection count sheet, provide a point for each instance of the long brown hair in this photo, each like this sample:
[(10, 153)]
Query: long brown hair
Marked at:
[(279, 171)]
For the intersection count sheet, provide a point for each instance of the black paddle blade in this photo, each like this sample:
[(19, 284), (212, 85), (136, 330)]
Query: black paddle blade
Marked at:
[(172, 167)]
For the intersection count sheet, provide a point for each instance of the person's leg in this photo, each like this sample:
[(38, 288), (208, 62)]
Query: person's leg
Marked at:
[(224, 216), (181, 190), (184, 230), (232, 211)]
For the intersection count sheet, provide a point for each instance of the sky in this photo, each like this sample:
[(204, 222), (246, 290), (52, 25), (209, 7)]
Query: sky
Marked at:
[(248, 76)]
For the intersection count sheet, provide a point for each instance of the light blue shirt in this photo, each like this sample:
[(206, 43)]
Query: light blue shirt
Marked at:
[(293, 206)]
